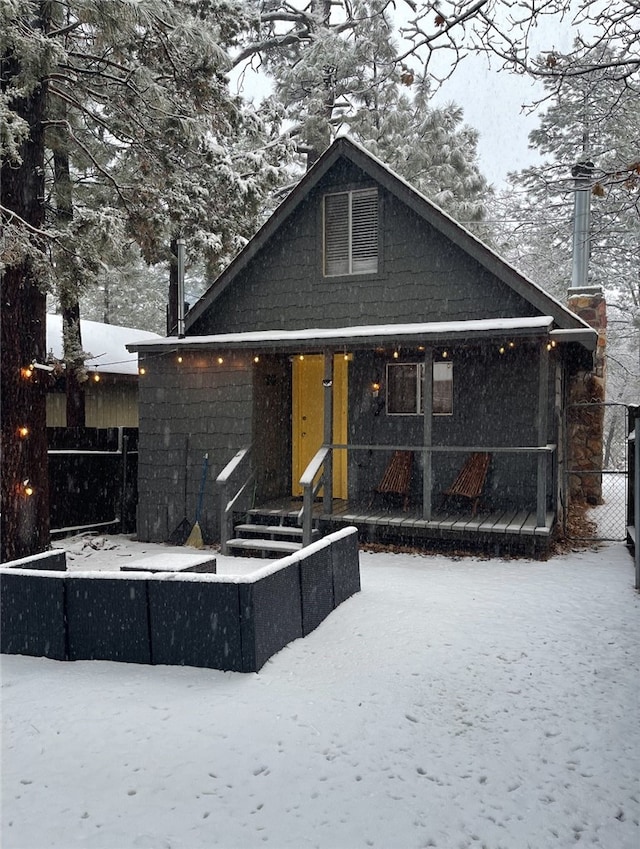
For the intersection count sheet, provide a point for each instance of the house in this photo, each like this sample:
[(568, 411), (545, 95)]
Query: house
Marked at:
[(111, 392), (360, 321)]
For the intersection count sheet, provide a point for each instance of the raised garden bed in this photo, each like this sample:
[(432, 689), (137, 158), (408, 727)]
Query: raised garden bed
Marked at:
[(234, 623)]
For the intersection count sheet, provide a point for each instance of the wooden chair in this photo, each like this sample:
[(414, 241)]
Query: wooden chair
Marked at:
[(470, 480), (396, 479)]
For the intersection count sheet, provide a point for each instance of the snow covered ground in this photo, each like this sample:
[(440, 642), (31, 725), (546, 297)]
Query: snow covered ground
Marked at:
[(451, 704)]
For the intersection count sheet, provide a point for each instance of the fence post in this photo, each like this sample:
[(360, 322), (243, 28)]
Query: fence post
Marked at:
[(123, 440), (633, 488)]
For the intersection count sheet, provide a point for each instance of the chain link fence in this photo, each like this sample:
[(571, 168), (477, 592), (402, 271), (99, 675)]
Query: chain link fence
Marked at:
[(605, 511)]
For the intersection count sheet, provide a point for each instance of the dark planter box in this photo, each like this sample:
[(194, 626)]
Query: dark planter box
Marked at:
[(316, 584), (195, 623), (346, 570), (107, 619), (271, 614), (179, 618), (32, 611)]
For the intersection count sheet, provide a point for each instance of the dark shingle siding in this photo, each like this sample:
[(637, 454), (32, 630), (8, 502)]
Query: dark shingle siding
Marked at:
[(205, 406), (422, 277)]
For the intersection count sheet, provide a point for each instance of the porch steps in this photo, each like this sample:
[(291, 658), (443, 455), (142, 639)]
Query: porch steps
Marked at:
[(267, 540), (264, 547)]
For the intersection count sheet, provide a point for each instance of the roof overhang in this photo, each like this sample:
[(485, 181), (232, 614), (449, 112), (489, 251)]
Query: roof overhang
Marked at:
[(586, 336), (366, 336)]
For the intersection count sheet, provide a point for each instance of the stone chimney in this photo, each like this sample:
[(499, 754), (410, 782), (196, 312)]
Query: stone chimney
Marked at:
[(586, 395)]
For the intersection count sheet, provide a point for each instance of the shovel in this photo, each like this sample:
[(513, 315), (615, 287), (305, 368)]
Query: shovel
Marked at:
[(195, 537)]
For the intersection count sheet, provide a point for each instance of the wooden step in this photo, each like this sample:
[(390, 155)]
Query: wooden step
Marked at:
[(272, 530), (272, 546)]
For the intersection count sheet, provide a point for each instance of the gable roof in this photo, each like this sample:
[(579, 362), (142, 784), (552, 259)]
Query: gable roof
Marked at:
[(344, 147)]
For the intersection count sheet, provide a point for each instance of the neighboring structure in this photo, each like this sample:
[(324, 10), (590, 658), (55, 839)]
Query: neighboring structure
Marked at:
[(363, 319), (111, 391)]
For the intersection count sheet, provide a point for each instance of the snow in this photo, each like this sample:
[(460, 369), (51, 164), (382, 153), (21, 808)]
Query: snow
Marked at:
[(367, 331), (452, 703), (105, 342)]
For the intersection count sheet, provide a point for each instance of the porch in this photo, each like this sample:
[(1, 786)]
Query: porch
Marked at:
[(495, 529), (426, 520)]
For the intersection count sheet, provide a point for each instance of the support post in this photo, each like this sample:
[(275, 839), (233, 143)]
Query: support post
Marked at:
[(327, 383), (635, 447), (427, 402), (542, 427)]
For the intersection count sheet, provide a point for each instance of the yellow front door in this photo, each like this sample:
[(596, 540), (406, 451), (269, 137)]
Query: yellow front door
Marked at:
[(308, 418)]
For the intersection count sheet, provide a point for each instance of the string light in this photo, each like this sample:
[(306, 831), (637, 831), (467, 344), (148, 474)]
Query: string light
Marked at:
[(96, 378), (445, 354), (501, 349), (301, 357), (23, 432), (27, 371), (396, 354), (142, 370), (512, 345), (27, 488), (220, 361), (179, 359), (256, 359)]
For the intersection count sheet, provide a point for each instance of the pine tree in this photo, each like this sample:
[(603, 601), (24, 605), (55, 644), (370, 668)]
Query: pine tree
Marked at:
[(336, 67), (117, 128), (595, 119)]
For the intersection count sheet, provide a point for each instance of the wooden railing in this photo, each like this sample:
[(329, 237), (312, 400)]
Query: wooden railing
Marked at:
[(228, 498), (544, 453), (318, 476)]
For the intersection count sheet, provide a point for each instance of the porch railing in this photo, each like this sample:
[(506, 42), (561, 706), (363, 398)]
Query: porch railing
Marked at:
[(316, 476), (229, 496)]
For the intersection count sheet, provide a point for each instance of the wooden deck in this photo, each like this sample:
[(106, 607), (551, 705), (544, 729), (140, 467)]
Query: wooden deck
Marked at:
[(485, 526)]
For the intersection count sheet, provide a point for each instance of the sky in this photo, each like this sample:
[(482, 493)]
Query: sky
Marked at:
[(497, 103), (454, 703)]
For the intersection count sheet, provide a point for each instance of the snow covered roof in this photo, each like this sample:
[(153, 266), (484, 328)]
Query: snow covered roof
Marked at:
[(345, 147), (365, 335), (106, 343)]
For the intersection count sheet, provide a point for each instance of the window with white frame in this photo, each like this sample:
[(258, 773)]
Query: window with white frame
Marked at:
[(405, 383), (442, 389), (351, 232)]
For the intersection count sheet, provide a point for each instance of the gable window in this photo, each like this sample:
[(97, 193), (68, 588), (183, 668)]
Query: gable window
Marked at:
[(351, 232), (404, 389)]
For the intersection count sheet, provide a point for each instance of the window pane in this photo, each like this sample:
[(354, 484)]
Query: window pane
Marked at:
[(442, 388), (402, 388), (336, 234)]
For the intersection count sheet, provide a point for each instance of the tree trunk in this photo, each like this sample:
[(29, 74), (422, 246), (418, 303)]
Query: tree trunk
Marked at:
[(25, 517), (68, 294)]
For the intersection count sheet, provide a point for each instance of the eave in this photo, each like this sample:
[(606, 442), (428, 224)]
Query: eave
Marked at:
[(362, 337)]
